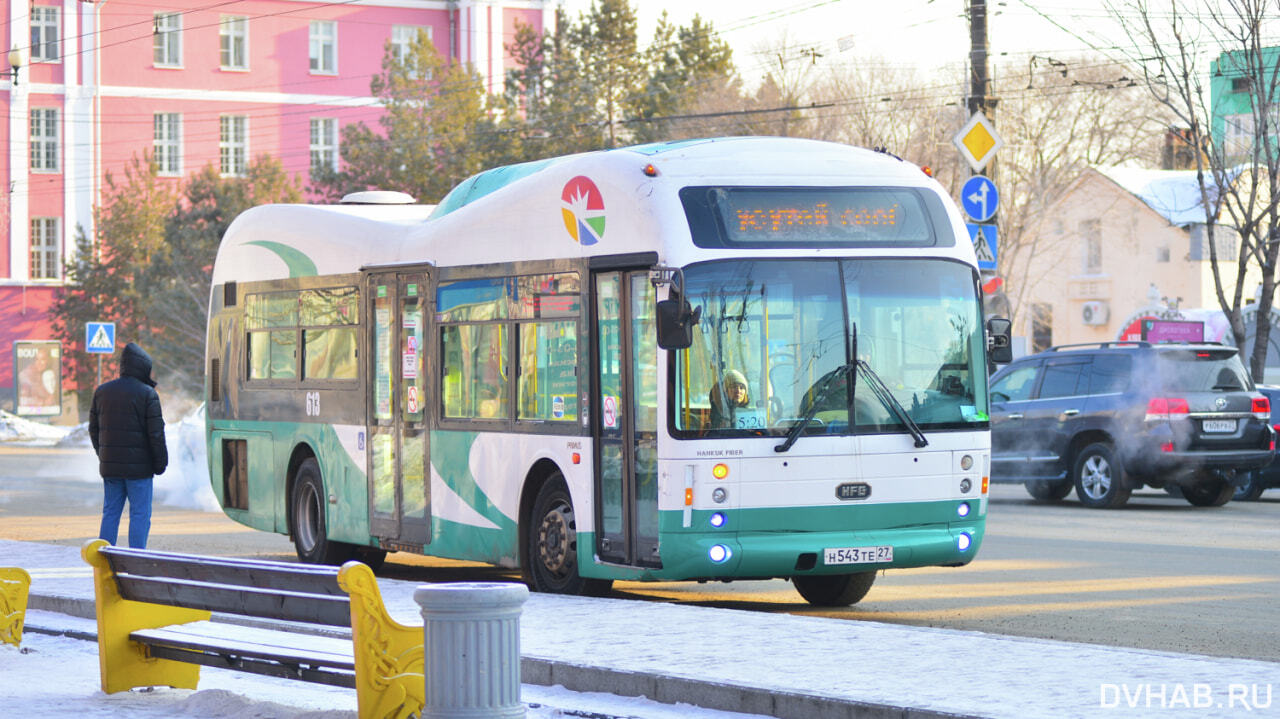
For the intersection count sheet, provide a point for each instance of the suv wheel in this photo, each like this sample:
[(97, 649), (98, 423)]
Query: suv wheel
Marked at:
[(1049, 490), (1099, 478), (1251, 490), (1210, 491)]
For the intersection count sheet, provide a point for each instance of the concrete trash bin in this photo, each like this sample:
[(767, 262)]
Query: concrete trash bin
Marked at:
[(471, 649)]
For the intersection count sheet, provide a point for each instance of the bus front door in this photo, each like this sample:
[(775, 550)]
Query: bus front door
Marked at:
[(399, 485), (625, 420)]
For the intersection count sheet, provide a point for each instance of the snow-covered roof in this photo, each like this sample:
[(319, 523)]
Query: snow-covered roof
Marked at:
[(1174, 194)]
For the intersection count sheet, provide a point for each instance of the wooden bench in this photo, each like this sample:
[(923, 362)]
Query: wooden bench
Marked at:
[(154, 625)]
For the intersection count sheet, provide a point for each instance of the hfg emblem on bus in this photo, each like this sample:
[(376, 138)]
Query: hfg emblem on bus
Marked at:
[(582, 207), (853, 490)]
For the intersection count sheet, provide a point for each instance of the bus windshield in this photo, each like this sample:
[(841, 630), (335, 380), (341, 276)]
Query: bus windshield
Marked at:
[(773, 332)]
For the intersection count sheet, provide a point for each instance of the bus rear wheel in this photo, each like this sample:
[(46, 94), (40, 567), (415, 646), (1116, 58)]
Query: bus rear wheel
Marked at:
[(834, 590), (553, 544), (310, 539)]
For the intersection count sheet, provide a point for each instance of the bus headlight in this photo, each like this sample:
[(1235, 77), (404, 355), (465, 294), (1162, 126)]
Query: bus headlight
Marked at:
[(719, 494), (963, 509), (964, 541), (966, 462), (717, 519), (719, 553)]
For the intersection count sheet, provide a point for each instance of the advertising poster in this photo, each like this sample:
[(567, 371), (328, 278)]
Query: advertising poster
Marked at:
[(38, 371)]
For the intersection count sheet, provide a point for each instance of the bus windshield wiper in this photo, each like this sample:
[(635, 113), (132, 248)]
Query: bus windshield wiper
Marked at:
[(819, 393), (890, 402)]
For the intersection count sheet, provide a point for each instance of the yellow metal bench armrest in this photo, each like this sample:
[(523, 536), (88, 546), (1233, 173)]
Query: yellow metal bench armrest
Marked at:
[(15, 587), (123, 664), (388, 654)]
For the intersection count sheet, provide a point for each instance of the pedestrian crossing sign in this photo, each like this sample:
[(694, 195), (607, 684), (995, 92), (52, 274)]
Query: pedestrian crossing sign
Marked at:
[(100, 337), (984, 244)]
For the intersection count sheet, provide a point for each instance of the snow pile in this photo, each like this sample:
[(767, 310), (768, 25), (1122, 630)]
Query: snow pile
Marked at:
[(17, 429), (186, 482)]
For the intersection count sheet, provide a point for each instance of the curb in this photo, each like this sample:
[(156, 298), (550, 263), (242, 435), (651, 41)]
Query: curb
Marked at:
[(584, 678)]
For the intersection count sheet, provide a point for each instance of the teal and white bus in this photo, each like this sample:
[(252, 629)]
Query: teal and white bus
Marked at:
[(702, 360)]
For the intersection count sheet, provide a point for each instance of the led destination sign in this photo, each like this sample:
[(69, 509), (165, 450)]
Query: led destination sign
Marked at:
[(813, 217)]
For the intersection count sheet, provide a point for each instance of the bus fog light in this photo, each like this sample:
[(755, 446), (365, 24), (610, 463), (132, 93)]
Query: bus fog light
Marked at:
[(719, 494), (717, 519), (719, 553), (966, 462), (964, 541), (963, 509)]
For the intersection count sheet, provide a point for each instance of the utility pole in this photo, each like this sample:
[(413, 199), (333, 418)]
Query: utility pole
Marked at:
[(980, 101)]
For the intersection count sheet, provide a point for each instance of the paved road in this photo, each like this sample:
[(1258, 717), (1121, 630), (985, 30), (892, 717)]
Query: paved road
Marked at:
[(1156, 574)]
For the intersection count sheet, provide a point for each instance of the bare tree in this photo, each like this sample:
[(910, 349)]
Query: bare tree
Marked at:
[(1236, 179)]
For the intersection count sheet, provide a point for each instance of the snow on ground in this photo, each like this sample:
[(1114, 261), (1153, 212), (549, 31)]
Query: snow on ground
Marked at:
[(21, 430), (26, 691), (184, 484)]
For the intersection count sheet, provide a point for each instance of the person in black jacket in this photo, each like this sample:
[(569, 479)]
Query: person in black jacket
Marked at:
[(126, 427)]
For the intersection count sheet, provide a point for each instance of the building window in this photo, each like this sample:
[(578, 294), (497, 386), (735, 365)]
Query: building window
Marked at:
[(44, 139), (402, 37), (1162, 254), (45, 255), (233, 145), (233, 34), (167, 143), (324, 41), (1041, 326), (324, 144), (167, 39), (1091, 242), (1239, 134), (44, 34)]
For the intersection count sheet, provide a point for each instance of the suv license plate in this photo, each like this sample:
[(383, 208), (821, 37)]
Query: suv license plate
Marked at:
[(857, 555), (1219, 425)]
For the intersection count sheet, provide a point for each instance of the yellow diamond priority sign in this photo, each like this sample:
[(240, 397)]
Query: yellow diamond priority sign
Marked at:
[(977, 141)]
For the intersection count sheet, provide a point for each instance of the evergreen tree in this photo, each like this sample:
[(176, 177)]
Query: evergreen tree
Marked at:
[(688, 67), (439, 127)]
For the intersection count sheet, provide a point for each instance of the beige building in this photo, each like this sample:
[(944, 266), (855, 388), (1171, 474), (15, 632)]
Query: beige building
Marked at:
[(1120, 243)]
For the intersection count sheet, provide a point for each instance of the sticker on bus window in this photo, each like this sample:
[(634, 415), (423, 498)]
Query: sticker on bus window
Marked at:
[(748, 419), (557, 407), (609, 412)]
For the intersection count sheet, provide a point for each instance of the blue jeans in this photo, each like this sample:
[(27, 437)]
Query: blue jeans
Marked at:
[(138, 492)]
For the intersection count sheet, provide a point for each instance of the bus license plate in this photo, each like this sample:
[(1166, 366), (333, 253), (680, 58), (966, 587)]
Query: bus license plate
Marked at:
[(857, 555), (1219, 425)]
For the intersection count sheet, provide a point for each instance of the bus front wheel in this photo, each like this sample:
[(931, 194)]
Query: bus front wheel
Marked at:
[(834, 590), (310, 539), (553, 544)]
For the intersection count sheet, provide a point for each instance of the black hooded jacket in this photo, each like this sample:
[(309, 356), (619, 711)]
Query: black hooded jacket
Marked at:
[(125, 423)]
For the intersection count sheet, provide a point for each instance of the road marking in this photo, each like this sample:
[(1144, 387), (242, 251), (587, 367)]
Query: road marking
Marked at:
[(996, 565), (1003, 610), (894, 593), (163, 523), (60, 572)]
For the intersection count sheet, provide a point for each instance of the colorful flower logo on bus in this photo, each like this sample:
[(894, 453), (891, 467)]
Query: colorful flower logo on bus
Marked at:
[(582, 206)]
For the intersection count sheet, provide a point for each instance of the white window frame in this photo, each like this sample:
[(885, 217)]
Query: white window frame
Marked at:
[(167, 143), (45, 135), (45, 33), (233, 40), (46, 249), (402, 37), (323, 44), (166, 49), (324, 143), (233, 145)]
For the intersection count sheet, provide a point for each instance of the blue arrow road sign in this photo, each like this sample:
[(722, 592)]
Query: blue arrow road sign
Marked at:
[(984, 244), (100, 337), (979, 198)]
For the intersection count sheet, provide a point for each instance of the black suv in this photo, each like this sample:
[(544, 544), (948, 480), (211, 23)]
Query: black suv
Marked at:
[(1107, 418)]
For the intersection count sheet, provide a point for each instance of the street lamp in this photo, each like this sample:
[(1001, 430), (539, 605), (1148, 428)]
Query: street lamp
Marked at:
[(16, 61)]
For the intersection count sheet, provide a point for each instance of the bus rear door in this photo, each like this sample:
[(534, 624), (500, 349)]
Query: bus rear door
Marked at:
[(399, 485)]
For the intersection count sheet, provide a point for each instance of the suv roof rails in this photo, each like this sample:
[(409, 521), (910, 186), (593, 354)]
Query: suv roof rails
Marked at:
[(1100, 345)]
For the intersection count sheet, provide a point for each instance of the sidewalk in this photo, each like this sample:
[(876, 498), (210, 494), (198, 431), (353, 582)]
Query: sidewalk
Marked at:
[(798, 667)]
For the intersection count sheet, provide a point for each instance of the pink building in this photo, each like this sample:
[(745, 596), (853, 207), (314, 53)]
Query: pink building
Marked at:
[(195, 83)]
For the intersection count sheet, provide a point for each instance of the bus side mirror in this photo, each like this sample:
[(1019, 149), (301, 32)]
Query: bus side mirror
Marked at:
[(675, 324), (999, 344)]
